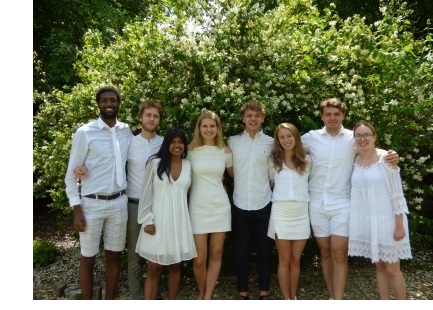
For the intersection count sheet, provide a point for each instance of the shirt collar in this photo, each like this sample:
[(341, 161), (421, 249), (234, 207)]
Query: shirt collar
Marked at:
[(102, 124), (323, 130), (258, 134)]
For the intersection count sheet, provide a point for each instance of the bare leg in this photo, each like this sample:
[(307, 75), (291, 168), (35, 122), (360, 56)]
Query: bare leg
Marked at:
[(174, 273), (339, 247), (284, 249), (382, 281), (199, 263), (396, 280), (152, 279), (216, 245), (112, 270), (324, 244), (86, 276), (297, 247)]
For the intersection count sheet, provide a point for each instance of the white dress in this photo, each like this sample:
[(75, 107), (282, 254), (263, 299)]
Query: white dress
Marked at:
[(209, 204), (164, 204), (289, 218), (376, 197)]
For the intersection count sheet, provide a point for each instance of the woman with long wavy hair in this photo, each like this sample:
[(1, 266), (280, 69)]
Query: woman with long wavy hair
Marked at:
[(289, 224)]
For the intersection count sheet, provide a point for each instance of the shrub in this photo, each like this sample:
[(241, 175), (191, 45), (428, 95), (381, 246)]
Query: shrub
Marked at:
[(44, 253), (290, 57)]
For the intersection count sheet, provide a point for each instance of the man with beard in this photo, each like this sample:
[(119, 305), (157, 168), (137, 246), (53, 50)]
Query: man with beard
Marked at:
[(100, 207), (143, 145)]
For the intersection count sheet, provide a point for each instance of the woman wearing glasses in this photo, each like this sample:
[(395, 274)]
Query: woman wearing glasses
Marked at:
[(378, 227)]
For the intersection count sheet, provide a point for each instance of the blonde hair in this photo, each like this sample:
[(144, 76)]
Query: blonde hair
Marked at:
[(197, 139), (299, 155)]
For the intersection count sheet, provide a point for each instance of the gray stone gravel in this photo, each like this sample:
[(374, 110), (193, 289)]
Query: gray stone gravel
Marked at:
[(361, 283)]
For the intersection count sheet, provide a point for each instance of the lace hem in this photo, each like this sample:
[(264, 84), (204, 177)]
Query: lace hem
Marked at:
[(378, 252)]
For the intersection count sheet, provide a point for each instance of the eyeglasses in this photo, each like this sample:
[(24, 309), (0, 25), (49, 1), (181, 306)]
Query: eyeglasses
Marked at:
[(366, 136)]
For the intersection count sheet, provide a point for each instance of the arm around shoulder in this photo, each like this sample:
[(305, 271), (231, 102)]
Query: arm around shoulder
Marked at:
[(392, 158), (229, 161)]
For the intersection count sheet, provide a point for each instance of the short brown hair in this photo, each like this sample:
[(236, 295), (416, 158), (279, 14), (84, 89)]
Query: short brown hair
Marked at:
[(254, 105), (150, 104), (333, 103)]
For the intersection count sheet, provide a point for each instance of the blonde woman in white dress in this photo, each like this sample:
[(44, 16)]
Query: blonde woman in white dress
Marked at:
[(378, 227), (289, 224), (209, 205)]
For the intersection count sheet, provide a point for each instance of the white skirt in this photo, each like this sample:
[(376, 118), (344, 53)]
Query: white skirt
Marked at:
[(289, 220)]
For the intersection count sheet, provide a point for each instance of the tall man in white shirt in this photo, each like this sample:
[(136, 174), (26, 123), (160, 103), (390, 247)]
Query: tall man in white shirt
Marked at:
[(252, 197), (101, 206), (332, 151), (142, 146)]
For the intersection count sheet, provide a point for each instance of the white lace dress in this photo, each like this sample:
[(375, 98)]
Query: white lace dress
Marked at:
[(164, 204), (376, 197)]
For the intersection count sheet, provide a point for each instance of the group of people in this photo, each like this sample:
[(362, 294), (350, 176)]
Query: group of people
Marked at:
[(172, 205)]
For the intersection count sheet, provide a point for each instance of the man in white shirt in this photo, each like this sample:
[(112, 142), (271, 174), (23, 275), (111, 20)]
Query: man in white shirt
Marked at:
[(100, 146), (332, 151), (252, 197), (142, 146)]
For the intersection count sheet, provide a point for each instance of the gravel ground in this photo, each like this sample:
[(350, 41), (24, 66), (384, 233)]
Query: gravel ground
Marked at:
[(361, 284)]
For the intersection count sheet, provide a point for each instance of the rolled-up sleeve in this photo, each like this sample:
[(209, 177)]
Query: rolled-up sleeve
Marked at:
[(77, 157)]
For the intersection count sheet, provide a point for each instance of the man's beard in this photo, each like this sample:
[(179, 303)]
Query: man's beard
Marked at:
[(106, 115), (149, 129)]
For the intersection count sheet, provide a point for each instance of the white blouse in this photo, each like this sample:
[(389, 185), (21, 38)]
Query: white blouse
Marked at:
[(289, 184)]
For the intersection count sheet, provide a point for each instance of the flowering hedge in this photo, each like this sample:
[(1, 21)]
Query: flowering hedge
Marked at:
[(291, 57)]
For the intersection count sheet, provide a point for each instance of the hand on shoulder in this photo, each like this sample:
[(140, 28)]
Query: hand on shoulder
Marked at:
[(391, 158)]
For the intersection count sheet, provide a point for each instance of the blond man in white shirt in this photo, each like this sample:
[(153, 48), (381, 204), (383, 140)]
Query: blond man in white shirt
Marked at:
[(142, 146), (100, 206), (332, 150), (252, 197)]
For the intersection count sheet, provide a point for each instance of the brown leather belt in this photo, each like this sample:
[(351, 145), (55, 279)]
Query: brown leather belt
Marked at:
[(104, 197)]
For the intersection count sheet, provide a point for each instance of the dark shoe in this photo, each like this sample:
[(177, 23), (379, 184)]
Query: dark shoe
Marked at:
[(241, 297), (264, 297)]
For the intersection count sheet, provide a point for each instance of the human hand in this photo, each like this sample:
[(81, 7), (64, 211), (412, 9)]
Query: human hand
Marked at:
[(150, 229), (392, 158), (80, 172), (79, 219), (399, 233)]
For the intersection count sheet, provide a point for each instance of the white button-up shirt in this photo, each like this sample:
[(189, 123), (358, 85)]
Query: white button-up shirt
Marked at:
[(289, 184), (331, 171), (140, 149), (92, 146), (252, 190)]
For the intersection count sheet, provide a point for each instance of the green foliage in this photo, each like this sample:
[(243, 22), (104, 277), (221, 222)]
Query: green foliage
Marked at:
[(44, 253), (291, 56)]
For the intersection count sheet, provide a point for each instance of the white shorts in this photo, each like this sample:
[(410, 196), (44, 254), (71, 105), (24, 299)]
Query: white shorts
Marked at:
[(109, 217), (329, 222)]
